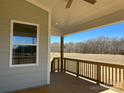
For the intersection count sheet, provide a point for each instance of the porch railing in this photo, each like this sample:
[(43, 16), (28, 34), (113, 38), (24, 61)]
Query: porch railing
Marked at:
[(101, 73)]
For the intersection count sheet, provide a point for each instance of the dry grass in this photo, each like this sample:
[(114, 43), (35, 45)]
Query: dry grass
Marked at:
[(106, 58)]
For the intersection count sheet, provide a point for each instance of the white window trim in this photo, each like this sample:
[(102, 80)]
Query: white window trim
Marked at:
[(11, 45)]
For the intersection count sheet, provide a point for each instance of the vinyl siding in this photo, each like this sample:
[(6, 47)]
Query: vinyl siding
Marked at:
[(17, 78)]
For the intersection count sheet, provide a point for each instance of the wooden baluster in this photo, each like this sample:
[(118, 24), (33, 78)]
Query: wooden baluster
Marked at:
[(58, 64), (115, 75), (92, 71), (77, 68), (109, 75), (123, 78), (98, 74), (54, 65), (102, 73), (106, 74), (112, 76), (120, 77), (64, 65), (80, 68), (87, 70), (84, 69)]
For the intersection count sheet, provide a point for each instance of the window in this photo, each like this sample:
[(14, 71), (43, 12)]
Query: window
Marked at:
[(24, 44)]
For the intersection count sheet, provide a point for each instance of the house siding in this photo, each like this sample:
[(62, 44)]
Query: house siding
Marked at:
[(17, 78)]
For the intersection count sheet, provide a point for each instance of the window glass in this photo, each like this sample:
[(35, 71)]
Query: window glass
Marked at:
[(24, 40), (24, 44)]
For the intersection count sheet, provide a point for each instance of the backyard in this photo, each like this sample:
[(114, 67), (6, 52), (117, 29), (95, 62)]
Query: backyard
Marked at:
[(104, 58)]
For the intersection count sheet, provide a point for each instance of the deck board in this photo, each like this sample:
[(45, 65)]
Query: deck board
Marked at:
[(64, 83)]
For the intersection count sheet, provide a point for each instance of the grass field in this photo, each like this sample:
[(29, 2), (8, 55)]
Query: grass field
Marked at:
[(105, 58)]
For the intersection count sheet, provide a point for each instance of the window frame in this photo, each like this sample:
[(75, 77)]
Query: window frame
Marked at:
[(11, 44)]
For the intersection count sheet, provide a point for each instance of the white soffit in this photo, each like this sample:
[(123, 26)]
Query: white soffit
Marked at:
[(81, 15)]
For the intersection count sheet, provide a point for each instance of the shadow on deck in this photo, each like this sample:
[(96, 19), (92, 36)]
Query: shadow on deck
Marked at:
[(65, 83)]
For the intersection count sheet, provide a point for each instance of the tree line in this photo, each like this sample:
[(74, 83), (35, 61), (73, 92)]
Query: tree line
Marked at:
[(101, 45)]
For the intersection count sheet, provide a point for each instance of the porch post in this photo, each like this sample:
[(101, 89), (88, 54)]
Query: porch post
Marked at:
[(62, 52)]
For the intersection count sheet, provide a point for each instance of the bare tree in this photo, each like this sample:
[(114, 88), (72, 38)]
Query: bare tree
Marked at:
[(101, 45)]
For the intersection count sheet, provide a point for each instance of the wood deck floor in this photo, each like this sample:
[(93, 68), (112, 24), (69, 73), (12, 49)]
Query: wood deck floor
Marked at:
[(64, 83)]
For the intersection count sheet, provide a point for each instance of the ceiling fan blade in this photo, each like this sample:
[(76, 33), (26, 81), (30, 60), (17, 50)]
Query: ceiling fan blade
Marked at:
[(69, 3), (91, 1)]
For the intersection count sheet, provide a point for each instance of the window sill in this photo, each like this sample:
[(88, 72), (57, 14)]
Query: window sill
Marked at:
[(23, 65)]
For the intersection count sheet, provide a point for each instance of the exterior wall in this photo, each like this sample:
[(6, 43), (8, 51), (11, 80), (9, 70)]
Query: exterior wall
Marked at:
[(17, 78)]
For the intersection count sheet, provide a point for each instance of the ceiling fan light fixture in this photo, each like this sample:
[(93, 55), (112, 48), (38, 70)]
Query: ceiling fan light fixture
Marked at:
[(69, 3), (57, 23), (91, 1)]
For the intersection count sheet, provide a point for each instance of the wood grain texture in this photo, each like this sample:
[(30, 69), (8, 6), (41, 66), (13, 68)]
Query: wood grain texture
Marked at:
[(64, 83)]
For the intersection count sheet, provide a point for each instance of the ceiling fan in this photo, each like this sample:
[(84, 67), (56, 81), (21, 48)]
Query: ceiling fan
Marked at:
[(69, 3)]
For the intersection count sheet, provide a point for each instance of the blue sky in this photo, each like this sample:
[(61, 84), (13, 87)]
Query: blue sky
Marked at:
[(114, 31)]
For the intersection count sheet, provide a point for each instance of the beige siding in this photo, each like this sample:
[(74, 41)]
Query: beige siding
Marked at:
[(22, 77)]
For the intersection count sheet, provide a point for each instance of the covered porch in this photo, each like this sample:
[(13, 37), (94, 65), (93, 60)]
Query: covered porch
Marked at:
[(86, 76), (62, 75)]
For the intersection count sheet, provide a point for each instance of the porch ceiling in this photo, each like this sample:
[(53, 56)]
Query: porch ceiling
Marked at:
[(82, 15)]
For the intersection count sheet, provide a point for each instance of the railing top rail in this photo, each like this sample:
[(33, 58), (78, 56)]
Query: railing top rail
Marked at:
[(96, 63), (93, 62)]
